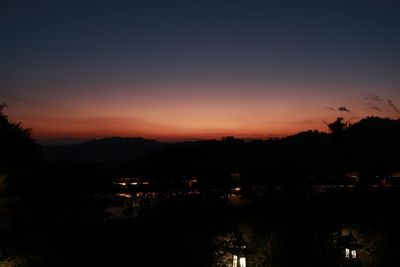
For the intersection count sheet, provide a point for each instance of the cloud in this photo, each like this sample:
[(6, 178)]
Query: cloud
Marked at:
[(373, 97), (393, 106), (343, 109), (376, 108)]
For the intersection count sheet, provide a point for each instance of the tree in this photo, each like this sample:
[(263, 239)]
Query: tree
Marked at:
[(337, 126), (18, 152)]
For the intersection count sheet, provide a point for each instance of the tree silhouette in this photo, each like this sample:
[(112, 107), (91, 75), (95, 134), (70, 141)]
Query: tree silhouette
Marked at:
[(18, 150), (337, 126)]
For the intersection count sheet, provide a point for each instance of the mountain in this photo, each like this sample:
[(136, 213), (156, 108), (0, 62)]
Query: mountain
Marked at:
[(369, 146), (371, 143), (112, 149), (61, 141)]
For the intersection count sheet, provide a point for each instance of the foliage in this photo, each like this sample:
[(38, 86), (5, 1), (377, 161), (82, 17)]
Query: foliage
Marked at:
[(367, 146), (337, 126), (18, 151), (222, 244)]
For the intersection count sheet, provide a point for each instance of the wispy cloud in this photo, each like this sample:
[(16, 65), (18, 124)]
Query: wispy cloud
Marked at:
[(331, 108), (393, 106), (374, 107), (343, 109), (373, 97)]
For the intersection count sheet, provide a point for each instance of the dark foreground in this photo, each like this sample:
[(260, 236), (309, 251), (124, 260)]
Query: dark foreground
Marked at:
[(289, 231)]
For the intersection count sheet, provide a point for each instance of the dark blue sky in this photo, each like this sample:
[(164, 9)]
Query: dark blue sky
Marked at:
[(58, 53)]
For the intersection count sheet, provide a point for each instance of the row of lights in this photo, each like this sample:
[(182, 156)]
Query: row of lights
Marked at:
[(133, 183)]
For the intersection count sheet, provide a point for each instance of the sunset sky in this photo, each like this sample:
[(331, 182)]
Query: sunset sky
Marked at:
[(175, 70)]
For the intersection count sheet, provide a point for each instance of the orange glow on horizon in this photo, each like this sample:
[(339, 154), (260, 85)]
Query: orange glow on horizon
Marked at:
[(102, 128), (203, 111)]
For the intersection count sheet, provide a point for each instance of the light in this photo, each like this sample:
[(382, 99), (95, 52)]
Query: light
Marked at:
[(146, 183), (124, 195), (242, 262), (237, 189), (353, 254), (122, 183), (347, 253), (134, 183)]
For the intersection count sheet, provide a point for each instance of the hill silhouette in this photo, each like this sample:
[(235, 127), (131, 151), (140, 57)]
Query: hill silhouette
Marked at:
[(112, 149), (369, 146), (372, 143)]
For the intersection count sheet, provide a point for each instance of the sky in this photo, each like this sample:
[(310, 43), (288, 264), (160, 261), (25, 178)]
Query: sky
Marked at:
[(176, 70)]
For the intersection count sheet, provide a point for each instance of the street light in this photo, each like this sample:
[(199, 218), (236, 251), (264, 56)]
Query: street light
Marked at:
[(242, 261), (350, 248), (240, 252)]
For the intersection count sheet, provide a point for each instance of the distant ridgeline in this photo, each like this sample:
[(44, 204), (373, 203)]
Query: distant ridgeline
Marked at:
[(112, 149), (369, 147)]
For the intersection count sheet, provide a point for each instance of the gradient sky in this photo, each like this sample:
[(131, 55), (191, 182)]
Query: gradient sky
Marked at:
[(196, 69)]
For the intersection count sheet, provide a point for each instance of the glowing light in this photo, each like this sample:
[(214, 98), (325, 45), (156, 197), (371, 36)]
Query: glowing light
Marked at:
[(347, 253), (242, 262), (237, 189), (134, 183), (124, 195), (235, 260), (146, 183), (353, 254)]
